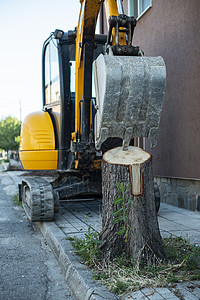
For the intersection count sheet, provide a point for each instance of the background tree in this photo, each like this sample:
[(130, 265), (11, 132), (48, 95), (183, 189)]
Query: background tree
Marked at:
[(9, 133)]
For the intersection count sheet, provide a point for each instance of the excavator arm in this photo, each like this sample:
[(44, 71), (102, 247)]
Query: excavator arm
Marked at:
[(119, 42), (85, 42), (82, 138)]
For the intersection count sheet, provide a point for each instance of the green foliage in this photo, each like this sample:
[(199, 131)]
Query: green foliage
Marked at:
[(120, 287), (184, 254), (87, 246), (16, 200), (9, 133), (120, 215), (17, 139), (182, 261)]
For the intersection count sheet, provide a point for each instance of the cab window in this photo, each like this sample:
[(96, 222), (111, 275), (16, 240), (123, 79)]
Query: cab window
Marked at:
[(52, 77)]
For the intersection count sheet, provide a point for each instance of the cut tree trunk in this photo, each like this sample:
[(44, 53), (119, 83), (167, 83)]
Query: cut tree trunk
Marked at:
[(132, 168)]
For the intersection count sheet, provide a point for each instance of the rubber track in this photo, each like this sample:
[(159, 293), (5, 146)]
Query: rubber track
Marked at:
[(37, 199)]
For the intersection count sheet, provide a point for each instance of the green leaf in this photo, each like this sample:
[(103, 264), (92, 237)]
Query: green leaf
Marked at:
[(117, 212), (120, 232), (117, 201), (128, 204), (120, 187), (127, 231), (129, 201), (117, 220), (97, 242)]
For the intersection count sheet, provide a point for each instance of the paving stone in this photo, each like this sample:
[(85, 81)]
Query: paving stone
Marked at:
[(148, 291), (194, 290), (171, 226), (181, 219), (136, 296), (184, 292), (166, 293), (155, 296)]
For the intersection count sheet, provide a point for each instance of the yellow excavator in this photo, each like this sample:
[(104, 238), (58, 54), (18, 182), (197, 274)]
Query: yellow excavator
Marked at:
[(99, 92)]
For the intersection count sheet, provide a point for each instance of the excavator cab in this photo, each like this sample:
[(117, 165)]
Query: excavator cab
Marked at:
[(46, 135)]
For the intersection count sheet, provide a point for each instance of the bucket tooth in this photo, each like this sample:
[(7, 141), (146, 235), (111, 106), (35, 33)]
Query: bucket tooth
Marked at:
[(130, 94)]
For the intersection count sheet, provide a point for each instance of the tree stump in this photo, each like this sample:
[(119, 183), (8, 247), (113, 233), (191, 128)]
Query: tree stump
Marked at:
[(133, 169)]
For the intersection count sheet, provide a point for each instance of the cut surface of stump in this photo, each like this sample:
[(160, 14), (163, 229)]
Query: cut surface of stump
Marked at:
[(133, 169)]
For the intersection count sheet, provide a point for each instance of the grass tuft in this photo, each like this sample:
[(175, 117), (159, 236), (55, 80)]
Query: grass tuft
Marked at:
[(16, 200), (87, 247)]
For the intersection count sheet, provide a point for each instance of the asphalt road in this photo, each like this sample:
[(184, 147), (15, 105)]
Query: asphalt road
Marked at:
[(28, 269)]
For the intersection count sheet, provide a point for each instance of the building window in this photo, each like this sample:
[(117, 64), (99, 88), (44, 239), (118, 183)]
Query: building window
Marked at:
[(137, 8)]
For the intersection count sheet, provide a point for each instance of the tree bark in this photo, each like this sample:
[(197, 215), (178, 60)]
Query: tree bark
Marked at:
[(133, 168)]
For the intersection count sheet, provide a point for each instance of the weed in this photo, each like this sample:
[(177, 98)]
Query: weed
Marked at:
[(61, 227), (183, 256), (16, 200), (120, 215), (120, 286), (87, 246)]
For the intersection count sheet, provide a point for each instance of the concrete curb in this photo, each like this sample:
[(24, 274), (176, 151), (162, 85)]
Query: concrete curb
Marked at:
[(77, 275)]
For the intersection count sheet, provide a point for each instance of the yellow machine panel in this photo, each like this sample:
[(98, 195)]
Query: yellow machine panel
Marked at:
[(37, 145)]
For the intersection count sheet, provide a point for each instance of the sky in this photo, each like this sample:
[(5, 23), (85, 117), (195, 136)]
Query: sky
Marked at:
[(24, 26)]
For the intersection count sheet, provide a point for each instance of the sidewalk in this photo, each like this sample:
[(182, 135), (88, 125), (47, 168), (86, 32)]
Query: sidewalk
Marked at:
[(73, 220)]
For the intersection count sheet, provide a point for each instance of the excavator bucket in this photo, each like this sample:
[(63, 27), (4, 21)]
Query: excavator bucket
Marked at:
[(129, 94)]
